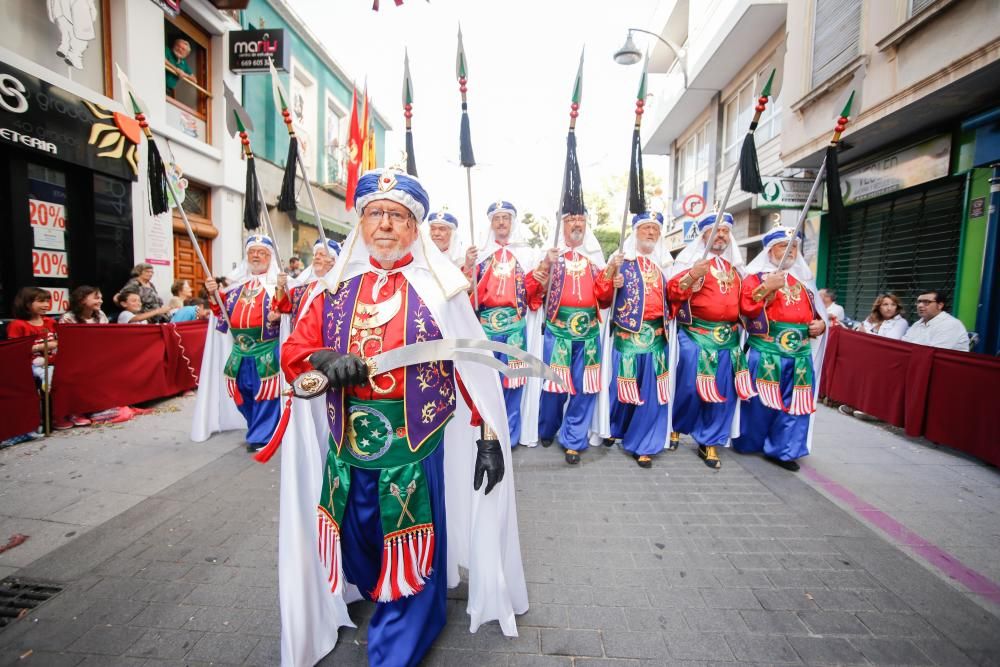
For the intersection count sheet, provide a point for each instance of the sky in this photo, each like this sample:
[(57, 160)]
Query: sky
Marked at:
[(522, 58)]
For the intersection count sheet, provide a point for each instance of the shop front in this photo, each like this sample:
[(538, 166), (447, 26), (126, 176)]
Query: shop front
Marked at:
[(66, 171)]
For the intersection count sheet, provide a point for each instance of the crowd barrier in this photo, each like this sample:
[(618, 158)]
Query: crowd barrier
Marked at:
[(945, 396), (101, 366)]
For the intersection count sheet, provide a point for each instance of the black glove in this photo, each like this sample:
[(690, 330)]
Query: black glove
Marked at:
[(489, 459), (342, 370)]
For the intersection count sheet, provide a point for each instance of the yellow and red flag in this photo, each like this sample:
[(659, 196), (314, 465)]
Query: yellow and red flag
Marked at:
[(355, 147)]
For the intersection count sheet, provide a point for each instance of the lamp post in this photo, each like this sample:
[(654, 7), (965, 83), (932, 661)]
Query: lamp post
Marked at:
[(629, 53)]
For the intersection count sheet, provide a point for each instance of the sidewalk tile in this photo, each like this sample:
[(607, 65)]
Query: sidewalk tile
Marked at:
[(109, 640), (571, 642), (826, 651), (698, 646), (882, 651), (774, 622), (751, 648), (646, 645), (223, 648), (833, 623), (165, 644)]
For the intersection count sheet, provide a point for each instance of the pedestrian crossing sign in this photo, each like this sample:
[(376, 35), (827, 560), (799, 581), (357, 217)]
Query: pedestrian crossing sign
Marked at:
[(690, 230)]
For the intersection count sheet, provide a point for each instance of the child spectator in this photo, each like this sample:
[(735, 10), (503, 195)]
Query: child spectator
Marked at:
[(85, 307), (195, 309), (131, 304), (30, 307)]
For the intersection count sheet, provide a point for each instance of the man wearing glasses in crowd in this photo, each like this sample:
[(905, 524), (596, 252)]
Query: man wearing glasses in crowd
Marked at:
[(935, 327)]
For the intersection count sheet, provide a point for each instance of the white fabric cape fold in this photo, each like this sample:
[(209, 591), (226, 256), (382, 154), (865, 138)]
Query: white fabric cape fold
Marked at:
[(482, 530), (214, 410)]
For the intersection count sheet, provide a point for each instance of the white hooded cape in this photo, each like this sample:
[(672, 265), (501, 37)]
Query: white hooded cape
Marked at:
[(528, 258), (482, 530)]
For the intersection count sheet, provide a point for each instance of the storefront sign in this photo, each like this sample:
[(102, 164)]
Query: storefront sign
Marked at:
[(786, 193), (45, 237), (60, 300), (49, 264), (252, 50), (40, 117), (911, 166), (978, 207)]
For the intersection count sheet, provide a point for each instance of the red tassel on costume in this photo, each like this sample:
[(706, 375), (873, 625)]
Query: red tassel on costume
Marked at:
[(406, 562), (592, 379), (234, 391), (802, 401), (269, 388), (663, 388), (770, 394), (628, 391), (329, 549), (266, 452), (567, 381), (707, 389), (514, 382), (744, 385)]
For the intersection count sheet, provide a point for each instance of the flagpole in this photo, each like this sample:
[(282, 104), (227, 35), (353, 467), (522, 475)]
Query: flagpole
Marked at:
[(466, 157), (721, 212), (150, 143)]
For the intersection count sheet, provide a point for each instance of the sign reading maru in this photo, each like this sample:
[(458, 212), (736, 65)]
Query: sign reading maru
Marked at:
[(252, 50)]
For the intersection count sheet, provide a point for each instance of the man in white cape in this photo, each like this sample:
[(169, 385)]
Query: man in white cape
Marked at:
[(442, 228), (509, 300), (786, 327), (396, 502)]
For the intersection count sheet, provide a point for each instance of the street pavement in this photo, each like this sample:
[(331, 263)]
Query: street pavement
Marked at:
[(878, 552)]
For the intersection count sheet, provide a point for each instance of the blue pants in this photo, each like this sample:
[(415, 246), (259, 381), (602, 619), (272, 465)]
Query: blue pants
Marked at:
[(707, 423), (262, 416), (642, 428), (772, 432), (400, 632), (512, 397), (574, 425)]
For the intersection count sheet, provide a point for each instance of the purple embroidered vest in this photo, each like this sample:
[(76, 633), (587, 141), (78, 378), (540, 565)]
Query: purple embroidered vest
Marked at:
[(556, 283), (760, 325), (630, 299), (269, 330), (520, 291)]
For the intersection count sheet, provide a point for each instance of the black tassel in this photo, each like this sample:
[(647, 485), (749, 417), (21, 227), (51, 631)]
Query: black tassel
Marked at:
[(572, 202), (158, 200), (749, 167), (636, 181), (834, 196), (465, 139), (251, 200), (411, 161), (286, 200)]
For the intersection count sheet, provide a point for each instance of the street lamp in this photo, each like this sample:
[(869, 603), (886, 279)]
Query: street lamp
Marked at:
[(630, 54)]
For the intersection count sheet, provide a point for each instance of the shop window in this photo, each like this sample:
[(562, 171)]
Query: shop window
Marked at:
[(836, 37), (68, 38), (335, 169), (187, 53), (738, 110)]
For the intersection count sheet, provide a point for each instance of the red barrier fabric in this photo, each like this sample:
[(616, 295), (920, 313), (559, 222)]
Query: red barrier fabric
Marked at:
[(102, 366), (19, 401), (946, 396)]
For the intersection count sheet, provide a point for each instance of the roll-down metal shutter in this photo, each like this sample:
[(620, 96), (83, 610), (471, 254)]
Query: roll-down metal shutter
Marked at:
[(900, 243)]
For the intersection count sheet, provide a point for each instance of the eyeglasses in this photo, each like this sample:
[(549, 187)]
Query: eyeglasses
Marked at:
[(924, 302), (395, 217)]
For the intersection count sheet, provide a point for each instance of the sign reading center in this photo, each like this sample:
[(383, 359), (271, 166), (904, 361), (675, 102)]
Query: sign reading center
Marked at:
[(252, 50)]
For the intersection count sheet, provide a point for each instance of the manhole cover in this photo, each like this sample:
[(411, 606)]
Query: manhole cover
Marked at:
[(19, 596)]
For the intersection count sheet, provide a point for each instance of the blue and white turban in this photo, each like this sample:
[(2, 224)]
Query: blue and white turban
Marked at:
[(780, 234), (647, 216), (501, 206), (259, 241), (443, 217), (331, 246), (706, 221), (395, 186)]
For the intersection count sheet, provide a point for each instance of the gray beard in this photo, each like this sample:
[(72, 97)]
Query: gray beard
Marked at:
[(387, 256), (646, 247)]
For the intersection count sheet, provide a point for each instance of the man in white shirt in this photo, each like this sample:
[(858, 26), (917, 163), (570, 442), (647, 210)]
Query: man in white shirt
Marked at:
[(833, 309), (935, 327)]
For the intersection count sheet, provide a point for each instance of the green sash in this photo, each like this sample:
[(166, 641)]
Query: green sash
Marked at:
[(650, 339), (501, 321), (575, 324), (247, 343), (790, 341), (713, 339)]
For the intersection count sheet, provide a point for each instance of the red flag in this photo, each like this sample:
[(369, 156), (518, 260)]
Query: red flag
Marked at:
[(354, 150)]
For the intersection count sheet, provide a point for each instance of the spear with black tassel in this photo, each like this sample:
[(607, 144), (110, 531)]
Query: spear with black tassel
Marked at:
[(238, 122), (635, 195), (293, 161), (411, 161), (466, 158), (161, 190), (571, 191)]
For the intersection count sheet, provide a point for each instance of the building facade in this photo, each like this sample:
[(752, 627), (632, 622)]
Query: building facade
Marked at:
[(320, 93), (915, 161)]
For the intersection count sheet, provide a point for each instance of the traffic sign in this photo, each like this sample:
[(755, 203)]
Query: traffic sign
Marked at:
[(694, 205), (690, 230)]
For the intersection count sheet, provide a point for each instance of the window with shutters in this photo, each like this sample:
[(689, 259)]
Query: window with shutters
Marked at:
[(917, 6), (902, 243), (737, 112), (836, 37), (692, 162)]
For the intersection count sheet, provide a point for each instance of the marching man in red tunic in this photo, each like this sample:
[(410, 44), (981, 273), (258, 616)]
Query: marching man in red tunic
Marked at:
[(782, 317)]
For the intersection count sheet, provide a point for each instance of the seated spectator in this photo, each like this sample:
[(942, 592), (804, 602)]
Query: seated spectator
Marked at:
[(141, 283), (182, 293), (833, 309), (131, 304), (195, 309), (85, 307), (886, 318), (936, 327), (30, 307)]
